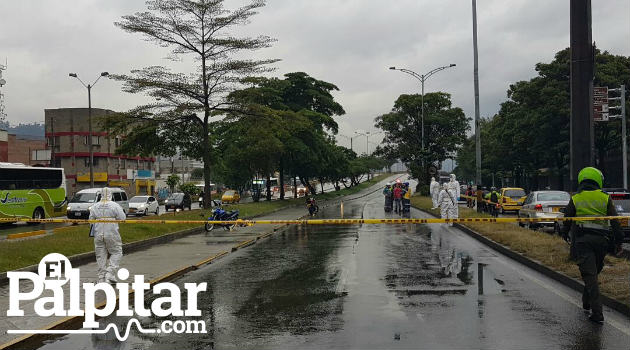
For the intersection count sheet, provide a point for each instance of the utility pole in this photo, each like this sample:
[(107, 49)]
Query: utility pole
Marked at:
[(581, 126), (89, 89), (477, 117), (2, 82), (624, 141)]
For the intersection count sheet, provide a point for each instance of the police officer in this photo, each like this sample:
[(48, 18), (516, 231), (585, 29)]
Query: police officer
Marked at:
[(591, 240)]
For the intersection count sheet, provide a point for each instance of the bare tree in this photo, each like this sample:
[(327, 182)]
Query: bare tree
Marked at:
[(185, 102)]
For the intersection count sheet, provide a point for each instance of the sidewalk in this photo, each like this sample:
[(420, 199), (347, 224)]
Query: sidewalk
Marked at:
[(156, 261)]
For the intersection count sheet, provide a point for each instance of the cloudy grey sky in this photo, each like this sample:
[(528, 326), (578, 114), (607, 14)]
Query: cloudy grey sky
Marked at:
[(348, 42)]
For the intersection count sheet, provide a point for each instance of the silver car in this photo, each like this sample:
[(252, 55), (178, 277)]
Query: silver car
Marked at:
[(544, 204)]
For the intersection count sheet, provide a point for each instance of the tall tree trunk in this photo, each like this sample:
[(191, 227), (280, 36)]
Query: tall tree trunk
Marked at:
[(268, 188), (207, 193), (281, 182), (308, 185), (295, 194), (321, 182)]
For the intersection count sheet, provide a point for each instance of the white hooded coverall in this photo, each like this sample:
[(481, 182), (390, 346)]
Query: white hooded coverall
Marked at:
[(446, 203), (434, 191), (455, 191), (106, 237)]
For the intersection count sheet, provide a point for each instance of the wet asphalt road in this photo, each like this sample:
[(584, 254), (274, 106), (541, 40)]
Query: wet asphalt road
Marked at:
[(376, 287)]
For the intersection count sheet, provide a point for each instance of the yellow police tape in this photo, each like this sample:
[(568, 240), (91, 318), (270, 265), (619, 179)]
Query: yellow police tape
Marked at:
[(624, 219)]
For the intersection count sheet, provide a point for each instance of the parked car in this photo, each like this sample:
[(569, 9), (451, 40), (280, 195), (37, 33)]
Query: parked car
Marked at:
[(230, 196), (178, 201), (544, 204), (143, 205), (80, 204), (621, 200), (511, 199)]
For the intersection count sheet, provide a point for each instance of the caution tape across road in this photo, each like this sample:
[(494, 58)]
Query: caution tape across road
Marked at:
[(320, 221)]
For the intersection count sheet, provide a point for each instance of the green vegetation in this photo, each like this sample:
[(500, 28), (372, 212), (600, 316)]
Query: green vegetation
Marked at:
[(241, 126), (189, 188), (550, 250), (530, 132), (75, 240), (445, 129), (172, 181)]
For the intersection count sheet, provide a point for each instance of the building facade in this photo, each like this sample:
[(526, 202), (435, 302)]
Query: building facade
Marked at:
[(21, 149), (67, 132), (4, 146)]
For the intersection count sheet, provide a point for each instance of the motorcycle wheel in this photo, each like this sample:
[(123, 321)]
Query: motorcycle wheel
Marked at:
[(209, 227)]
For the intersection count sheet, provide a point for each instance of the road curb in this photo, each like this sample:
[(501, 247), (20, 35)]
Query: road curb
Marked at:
[(537, 266), (29, 234)]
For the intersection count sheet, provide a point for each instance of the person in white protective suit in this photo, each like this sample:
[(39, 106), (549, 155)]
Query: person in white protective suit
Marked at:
[(434, 191), (455, 191), (446, 202), (107, 239)]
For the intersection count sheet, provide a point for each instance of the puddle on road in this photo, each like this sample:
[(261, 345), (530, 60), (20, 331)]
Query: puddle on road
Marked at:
[(426, 269)]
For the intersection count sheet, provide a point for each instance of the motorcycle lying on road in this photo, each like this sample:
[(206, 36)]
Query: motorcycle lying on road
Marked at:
[(220, 214)]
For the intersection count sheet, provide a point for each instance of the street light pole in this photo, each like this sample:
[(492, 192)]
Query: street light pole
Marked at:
[(476, 85), (91, 149), (422, 78), (624, 141), (89, 89)]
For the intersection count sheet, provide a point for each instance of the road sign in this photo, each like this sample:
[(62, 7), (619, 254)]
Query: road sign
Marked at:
[(600, 104)]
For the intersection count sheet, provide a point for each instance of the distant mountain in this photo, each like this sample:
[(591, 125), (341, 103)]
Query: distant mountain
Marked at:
[(34, 131)]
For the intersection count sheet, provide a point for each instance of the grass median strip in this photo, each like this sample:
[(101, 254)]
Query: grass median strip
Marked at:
[(74, 240), (550, 250)]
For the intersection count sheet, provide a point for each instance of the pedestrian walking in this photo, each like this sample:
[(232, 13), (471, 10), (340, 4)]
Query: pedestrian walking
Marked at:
[(107, 239), (469, 194), (398, 193), (591, 240), (446, 203), (434, 191), (455, 191), (494, 202)]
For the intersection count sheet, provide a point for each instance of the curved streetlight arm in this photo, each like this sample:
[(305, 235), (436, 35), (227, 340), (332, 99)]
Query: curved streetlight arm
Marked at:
[(422, 77), (430, 73), (74, 75), (410, 72), (104, 74)]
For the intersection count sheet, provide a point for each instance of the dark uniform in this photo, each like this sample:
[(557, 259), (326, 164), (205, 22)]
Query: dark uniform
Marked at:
[(591, 240)]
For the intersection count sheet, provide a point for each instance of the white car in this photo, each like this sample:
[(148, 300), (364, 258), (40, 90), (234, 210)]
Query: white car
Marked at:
[(143, 205), (80, 204)]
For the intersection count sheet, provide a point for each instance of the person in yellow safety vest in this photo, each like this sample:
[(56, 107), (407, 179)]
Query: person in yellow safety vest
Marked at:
[(591, 240), (407, 193)]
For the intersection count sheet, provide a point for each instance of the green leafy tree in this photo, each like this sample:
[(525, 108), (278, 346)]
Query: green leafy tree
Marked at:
[(189, 188), (445, 130), (298, 110), (185, 102), (172, 181), (531, 130)]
